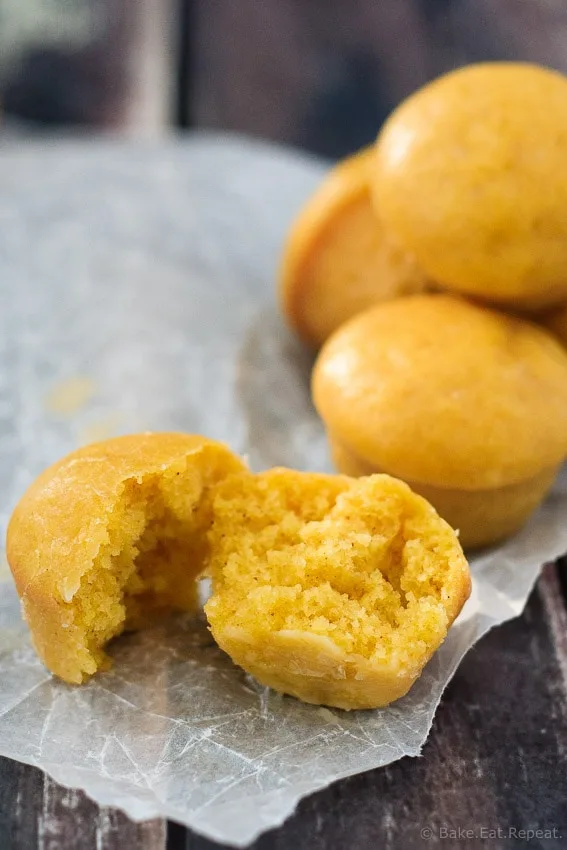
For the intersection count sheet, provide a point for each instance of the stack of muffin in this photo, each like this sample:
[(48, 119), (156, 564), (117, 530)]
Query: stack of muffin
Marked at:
[(432, 270)]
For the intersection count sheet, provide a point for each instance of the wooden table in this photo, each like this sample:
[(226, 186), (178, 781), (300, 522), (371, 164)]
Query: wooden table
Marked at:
[(496, 760)]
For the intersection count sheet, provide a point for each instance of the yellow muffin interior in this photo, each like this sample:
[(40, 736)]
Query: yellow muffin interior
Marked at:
[(155, 548), (365, 563)]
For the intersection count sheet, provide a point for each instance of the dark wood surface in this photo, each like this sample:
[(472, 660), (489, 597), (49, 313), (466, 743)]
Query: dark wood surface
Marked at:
[(325, 75), (36, 812), (496, 759)]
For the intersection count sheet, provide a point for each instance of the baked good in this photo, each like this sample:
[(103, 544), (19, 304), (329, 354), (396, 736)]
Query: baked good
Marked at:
[(112, 537), (469, 176), (334, 590), (466, 404), (337, 259)]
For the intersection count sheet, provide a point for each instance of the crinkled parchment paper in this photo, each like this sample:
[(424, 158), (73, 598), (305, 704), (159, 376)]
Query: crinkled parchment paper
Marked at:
[(148, 272)]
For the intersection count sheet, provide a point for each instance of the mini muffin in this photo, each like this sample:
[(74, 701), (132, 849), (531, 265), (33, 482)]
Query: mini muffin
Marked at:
[(334, 590), (338, 260), (110, 538), (469, 176), (467, 405)]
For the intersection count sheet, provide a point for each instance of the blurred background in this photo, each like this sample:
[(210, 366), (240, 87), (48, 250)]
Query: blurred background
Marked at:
[(319, 74)]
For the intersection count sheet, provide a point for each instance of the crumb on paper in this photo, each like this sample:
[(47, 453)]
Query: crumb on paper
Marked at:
[(329, 716), (66, 397), (100, 429)]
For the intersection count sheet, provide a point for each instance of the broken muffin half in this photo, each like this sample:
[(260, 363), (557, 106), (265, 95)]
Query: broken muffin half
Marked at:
[(113, 537), (334, 590)]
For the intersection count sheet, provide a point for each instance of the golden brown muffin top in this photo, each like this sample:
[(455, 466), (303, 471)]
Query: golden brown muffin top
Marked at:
[(470, 177), (59, 524), (439, 391)]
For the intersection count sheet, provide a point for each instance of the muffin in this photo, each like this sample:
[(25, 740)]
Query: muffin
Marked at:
[(469, 177), (333, 590), (467, 405), (338, 260), (110, 538)]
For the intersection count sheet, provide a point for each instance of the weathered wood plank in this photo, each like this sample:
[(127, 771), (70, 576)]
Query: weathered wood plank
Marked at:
[(38, 814), (151, 92), (20, 798), (553, 589), (496, 759), (324, 76)]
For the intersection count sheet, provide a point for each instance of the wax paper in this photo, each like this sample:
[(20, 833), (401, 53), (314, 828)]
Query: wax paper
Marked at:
[(145, 274)]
